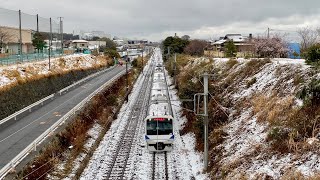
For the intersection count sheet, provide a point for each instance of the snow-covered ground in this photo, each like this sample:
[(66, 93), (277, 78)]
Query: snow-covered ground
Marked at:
[(245, 152), (183, 162), (10, 75)]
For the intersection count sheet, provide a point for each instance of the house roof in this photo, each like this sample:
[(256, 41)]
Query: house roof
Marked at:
[(235, 37), (219, 42), (79, 41)]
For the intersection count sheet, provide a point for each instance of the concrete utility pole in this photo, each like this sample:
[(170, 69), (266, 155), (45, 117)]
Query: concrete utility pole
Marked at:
[(175, 68), (61, 33), (206, 121), (50, 42), (127, 83), (20, 34), (204, 114), (142, 60), (37, 23)]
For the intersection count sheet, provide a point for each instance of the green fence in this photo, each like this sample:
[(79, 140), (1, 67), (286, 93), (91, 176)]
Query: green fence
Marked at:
[(13, 59)]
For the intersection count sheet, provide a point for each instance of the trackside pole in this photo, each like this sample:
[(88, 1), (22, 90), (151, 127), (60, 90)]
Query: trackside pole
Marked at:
[(205, 123)]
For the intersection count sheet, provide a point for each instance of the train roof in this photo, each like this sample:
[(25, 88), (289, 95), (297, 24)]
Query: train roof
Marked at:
[(159, 109)]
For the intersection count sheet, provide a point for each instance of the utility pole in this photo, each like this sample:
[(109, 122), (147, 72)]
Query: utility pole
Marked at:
[(20, 39), (127, 83), (205, 123), (61, 33), (196, 100), (37, 23), (142, 60), (175, 68), (50, 42)]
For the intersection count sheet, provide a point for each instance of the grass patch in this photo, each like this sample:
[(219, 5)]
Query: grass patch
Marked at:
[(230, 63)]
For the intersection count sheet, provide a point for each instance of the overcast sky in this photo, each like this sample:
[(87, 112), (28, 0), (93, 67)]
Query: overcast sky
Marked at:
[(157, 19)]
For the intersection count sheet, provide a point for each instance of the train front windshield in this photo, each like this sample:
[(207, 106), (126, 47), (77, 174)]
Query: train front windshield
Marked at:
[(159, 126)]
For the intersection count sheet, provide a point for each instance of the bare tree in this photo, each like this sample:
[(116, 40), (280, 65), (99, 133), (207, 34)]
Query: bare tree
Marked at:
[(308, 37), (195, 47), (5, 37)]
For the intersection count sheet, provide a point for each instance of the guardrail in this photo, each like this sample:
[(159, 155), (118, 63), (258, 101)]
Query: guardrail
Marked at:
[(52, 96), (28, 108), (84, 80), (32, 146)]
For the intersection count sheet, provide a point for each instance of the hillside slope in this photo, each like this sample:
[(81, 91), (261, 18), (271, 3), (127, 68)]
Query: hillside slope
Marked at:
[(264, 118)]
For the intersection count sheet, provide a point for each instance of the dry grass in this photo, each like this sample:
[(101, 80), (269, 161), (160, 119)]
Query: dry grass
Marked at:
[(274, 109), (11, 74), (230, 63), (290, 126), (32, 74), (294, 174), (61, 63)]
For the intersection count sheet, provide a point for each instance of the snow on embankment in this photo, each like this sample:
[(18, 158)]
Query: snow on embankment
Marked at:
[(246, 151), (259, 140), (17, 73)]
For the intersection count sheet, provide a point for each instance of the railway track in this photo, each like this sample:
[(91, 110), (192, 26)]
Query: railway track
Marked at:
[(160, 166), (117, 167)]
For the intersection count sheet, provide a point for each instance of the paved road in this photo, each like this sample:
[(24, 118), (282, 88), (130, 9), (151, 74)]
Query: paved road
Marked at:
[(15, 137)]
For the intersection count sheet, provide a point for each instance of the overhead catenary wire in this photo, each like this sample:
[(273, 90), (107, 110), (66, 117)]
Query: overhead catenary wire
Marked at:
[(41, 167)]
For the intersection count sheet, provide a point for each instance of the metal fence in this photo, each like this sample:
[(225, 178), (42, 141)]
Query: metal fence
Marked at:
[(17, 30), (17, 58)]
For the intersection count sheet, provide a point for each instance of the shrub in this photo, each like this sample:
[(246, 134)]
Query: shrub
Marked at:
[(311, 92), (312, 54), (111, 53), (135, 62), (112, 100), (277, 137), (251, 82)]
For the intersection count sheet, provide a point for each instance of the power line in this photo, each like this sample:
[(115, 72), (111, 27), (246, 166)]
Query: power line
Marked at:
[(219, 105)]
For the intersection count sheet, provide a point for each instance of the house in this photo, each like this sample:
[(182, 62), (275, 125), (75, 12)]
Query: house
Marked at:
[(80, 44), (243, 44), (10, 40), (96, 44)]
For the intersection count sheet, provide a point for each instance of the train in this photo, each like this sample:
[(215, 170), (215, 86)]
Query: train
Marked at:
[(159, 120)]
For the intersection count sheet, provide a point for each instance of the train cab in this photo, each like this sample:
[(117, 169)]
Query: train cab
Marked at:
[(159, 133)]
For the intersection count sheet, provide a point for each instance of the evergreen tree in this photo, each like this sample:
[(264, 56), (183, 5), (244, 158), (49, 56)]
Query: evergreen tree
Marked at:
[(38, 41), (231, 49)]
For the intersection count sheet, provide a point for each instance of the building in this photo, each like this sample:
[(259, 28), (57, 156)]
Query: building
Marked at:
[(80, 44), (243, 44), (96, 44), (294, 50), (10, 40)]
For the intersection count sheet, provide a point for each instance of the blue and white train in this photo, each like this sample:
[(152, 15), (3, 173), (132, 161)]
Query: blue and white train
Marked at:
[(159, 120)]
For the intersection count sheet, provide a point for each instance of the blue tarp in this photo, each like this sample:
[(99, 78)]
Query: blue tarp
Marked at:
[(294, 47)]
